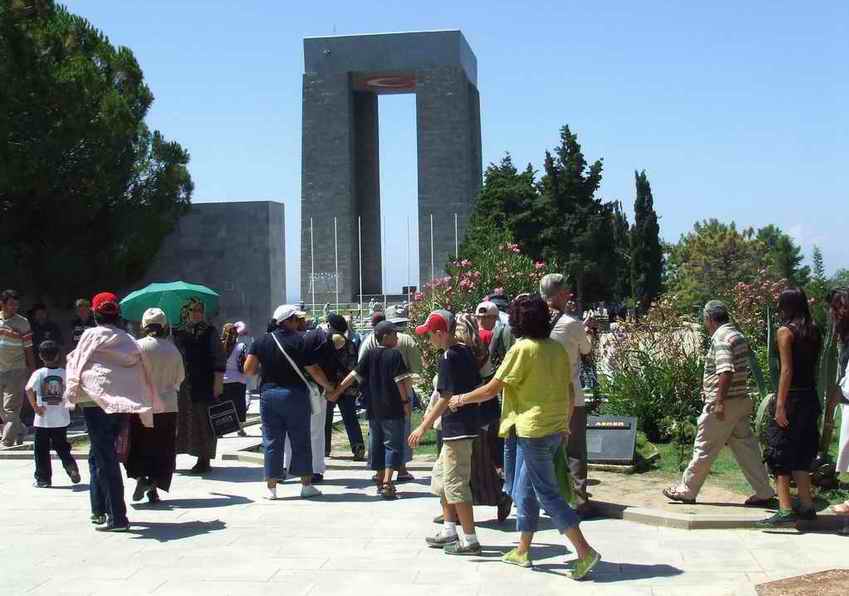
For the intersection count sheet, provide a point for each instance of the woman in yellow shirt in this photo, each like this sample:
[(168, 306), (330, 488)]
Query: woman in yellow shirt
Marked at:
[(535, 379)]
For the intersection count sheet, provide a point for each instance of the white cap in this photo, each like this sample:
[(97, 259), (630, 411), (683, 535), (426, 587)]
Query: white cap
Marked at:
[(154, 316), (287, 311), (486, 309)]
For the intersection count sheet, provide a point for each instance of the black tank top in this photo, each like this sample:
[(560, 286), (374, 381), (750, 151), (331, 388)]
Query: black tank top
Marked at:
[(806, 353)]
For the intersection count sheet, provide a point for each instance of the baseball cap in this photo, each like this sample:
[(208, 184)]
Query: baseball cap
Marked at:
[(105, 303), (486, 308), (377, 317), (438, 320), (383, 329), (154, 316), (287, 311)]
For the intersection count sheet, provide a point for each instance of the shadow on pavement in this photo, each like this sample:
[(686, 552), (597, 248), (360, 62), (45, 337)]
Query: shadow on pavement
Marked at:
[(166, 532), (355, 497), (233, 474), (219, 500)]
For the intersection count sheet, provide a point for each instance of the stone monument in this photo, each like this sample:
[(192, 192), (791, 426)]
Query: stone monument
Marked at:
[(340, 194)]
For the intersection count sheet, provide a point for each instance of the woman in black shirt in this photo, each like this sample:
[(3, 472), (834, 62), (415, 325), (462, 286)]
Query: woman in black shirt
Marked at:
[(284, 399)]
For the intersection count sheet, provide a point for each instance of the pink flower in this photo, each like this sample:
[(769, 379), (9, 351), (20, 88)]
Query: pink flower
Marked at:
[(539, 265)]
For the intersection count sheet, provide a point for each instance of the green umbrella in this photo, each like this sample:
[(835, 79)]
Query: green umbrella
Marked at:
[(170, 297)]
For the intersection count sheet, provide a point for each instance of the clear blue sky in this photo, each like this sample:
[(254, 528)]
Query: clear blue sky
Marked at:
[(737, 110)]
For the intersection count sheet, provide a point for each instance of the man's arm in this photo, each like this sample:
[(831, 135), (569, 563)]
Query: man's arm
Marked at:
[(316, 373), (343, 386), (28, 357)]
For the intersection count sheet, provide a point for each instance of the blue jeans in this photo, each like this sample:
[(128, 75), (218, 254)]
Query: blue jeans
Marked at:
[(530, 480), (106, 486), (386, 443), (348, 408), (285, 411)]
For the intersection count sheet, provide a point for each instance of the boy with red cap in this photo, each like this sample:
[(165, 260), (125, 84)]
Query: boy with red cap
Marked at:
[(452, 472)]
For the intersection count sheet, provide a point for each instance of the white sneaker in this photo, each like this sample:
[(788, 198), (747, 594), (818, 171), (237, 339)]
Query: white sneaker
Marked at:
[(309, 492), (271, 493)]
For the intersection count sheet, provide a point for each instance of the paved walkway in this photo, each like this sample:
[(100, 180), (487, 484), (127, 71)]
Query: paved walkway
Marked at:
[(218, 536)]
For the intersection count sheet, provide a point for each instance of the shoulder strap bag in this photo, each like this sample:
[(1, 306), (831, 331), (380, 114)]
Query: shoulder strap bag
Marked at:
[(312, 388)]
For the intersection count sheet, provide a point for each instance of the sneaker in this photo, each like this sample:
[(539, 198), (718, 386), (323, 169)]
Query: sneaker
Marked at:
[(242, 433), (505, 506), (73, 474), (805, 514), (41, 484), (514, 557), (317, 478), (456, 548), (440, 540), (307, 492), (271, 493), (110, 527), (673, 494), (781, 519), (585, 565), (152, 496), (98, 518), (141, 488)]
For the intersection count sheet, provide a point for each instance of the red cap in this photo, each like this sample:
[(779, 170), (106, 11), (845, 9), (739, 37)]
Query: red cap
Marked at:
[(438, 320), (106, 303)]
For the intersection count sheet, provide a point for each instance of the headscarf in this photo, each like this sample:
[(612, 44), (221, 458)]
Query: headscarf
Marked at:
[(229, 337), (185, 316), (466, 332)]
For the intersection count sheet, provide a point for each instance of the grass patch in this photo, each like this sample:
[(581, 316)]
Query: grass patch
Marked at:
[(727, 474), (427, 446)]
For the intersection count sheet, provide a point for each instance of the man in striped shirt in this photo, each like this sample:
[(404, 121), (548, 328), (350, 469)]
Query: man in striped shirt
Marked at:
[(727, 415), (16, 364)]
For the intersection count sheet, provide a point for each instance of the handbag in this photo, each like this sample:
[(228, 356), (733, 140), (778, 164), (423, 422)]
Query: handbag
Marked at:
[(223, 418), (312, 389), (564, 478)]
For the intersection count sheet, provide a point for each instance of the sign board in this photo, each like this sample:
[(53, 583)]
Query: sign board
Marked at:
[(611, 439)]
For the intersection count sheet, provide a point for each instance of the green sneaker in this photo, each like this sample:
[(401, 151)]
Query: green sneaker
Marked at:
[(783, 518), (456, 548), (514, 557), (585, 565)]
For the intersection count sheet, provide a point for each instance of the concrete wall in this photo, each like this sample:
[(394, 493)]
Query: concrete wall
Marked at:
[(237, 249)]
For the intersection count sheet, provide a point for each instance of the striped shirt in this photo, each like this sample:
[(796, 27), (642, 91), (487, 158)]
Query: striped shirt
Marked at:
[(15, 335), (729, 352)]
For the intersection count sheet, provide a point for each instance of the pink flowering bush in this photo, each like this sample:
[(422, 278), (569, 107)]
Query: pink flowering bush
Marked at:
[(469, 280)]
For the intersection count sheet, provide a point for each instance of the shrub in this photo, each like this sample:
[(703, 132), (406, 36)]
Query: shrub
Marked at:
[(652, 369)]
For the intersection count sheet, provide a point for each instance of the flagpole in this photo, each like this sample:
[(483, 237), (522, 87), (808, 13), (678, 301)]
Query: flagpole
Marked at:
[(312, 265), (360, 250), (336, 251), (432, 258), (456, 240)]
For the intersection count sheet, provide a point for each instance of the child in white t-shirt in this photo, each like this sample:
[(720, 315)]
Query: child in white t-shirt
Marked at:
[(45, 390)]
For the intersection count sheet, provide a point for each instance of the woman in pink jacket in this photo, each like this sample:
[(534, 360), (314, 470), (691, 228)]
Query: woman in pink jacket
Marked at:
[(108, 377)]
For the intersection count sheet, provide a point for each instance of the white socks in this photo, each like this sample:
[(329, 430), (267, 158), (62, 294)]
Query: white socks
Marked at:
[(449, 528), (468, 539)]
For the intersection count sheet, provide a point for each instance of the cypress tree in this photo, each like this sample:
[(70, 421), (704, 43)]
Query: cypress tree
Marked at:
[(646, 250)]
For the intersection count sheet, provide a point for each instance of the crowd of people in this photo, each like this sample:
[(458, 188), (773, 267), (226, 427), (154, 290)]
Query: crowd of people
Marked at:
[(508, 404)]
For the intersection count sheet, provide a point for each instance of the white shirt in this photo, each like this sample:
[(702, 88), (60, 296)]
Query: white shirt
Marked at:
[(569, 332), (48, 384), (166, 369), (231, 371)]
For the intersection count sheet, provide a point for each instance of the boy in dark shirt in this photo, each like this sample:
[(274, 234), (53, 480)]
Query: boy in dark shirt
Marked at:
[(387, 377), (452, 472)]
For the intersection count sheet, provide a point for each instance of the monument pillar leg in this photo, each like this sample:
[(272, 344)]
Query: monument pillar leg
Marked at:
[(327, 188), (367, 160), (449, 162)]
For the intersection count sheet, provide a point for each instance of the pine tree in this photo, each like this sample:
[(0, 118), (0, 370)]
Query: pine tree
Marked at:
[(621, 287), (646, 249)]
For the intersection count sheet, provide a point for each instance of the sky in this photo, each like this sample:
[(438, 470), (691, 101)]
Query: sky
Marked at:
[(737, 111)]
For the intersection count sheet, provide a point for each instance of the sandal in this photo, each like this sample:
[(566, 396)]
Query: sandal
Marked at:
[(388, 492), (755, 501)]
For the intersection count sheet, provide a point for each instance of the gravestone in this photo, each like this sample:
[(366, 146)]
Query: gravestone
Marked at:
[(611, 439)]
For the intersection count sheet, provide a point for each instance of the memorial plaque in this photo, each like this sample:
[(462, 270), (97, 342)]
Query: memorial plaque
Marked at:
[(611, 439)]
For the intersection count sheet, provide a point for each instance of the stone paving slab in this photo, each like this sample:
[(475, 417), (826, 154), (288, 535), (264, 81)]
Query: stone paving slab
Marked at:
[(216, 535)]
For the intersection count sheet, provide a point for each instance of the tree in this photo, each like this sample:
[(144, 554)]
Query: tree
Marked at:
[(646, 250), (711, 260), (818, 288), (506, 209), (87, 191), (840, 279), (784, 257), (622, 288), (578, 226)]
